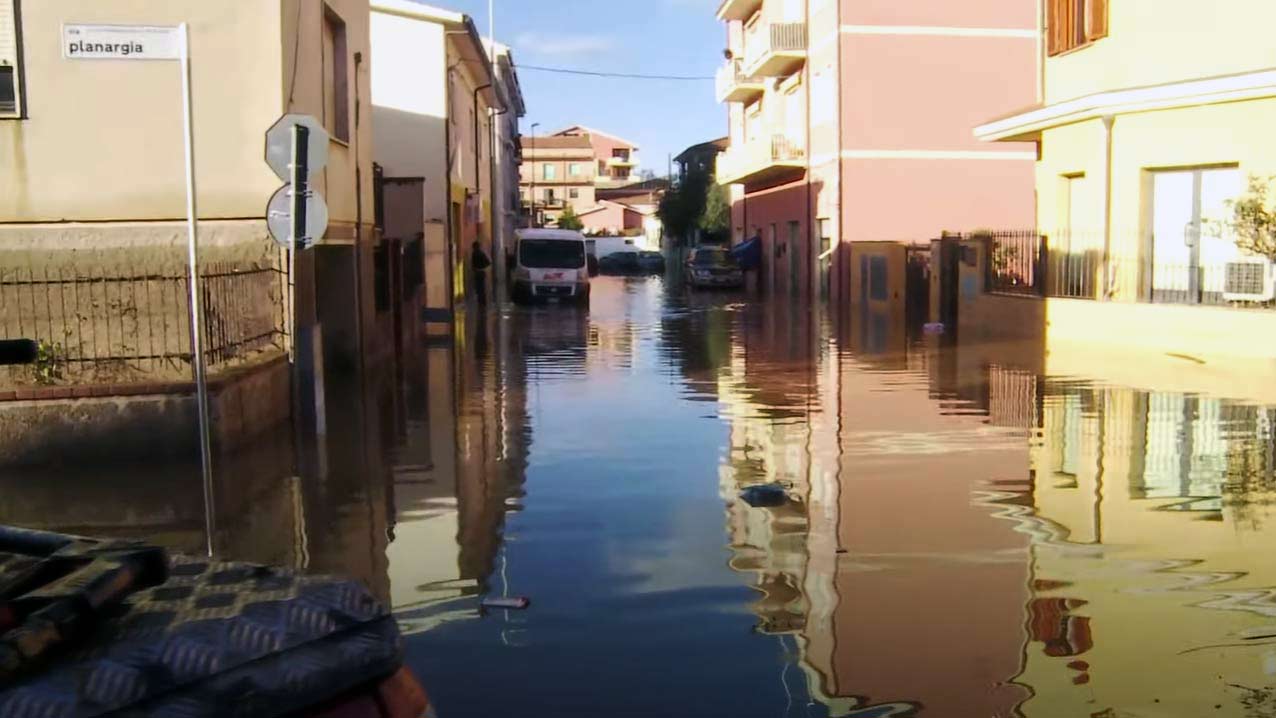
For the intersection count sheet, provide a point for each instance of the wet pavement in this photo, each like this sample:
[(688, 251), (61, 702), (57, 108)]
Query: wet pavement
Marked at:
[(962, 534)]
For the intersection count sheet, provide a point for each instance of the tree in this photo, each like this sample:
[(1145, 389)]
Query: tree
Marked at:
[(570, 220), (683, 206), (715, 220), (1253, 220)]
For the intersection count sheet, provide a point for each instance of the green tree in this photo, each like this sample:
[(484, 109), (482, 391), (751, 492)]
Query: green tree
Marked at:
[(1253, 220), (570, 220), (715, 220), (683, 206)]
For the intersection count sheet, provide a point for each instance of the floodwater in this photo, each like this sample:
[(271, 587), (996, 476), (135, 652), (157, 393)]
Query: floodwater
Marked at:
[(963, 534)]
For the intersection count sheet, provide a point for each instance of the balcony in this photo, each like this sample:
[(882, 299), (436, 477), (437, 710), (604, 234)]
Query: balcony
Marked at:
[(762, 160), (738, 9), (629, 161), (735, 86), (774, 49)]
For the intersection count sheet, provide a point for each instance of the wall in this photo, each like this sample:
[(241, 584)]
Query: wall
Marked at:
[(55, 166), (1145, 46), (911, 165)]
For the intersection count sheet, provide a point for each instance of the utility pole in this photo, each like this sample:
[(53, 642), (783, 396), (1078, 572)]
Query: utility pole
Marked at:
[(535, 223)]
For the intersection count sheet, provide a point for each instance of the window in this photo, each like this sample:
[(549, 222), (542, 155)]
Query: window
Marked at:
[(336, 90), (573, 193), (573, 169), (620, 155), (10, 62), (1075, 23), (549, 172), (549, 196)]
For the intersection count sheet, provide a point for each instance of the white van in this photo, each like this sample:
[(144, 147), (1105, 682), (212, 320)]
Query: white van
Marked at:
[(551, 264)]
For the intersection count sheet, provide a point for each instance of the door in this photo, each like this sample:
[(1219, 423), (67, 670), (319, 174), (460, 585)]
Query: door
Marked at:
[(795, 256), (1188, 249)]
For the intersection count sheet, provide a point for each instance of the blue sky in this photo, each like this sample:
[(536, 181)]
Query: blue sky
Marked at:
[(660, 37)]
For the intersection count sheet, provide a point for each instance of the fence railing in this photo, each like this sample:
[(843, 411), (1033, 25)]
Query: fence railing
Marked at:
[(106, 319), (1027, 263)]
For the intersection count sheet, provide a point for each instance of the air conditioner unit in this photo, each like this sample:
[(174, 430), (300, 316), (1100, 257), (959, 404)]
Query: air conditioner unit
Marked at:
[(1252, 279)]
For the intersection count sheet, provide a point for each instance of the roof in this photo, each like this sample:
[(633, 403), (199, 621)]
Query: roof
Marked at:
[(604, 204), (511, 89), (592, 131), (717, 145), (472, 47), (658, 184)]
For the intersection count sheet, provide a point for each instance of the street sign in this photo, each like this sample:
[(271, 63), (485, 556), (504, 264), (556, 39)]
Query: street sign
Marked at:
[(279, 218), (121, 42), (279, 145)]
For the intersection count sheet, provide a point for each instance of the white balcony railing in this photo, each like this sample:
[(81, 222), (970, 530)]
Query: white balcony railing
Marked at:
[(733, 85), (761, 159), (773, 49)]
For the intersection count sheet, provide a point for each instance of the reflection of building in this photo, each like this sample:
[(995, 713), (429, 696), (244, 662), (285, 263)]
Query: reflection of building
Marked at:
[(880, 523), (1160, 508)]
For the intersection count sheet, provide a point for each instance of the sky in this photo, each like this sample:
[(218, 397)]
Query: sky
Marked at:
[(649, 37)]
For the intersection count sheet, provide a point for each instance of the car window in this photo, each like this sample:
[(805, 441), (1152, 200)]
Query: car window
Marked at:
[(551, 254)]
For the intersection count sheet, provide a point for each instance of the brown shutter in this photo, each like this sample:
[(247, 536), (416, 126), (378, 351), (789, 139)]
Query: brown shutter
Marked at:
[(1096, 19), (1056, 17)]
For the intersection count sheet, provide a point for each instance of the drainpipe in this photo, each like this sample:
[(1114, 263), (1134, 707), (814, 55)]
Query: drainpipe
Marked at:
[(478, 150), (498, 263), (449, 230), (358, 228), (1108, 122)]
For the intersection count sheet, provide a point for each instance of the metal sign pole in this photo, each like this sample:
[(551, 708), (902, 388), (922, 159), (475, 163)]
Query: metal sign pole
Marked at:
[(196, 308)]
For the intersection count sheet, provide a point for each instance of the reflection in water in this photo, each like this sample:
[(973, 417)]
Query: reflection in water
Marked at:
[(965, 534)]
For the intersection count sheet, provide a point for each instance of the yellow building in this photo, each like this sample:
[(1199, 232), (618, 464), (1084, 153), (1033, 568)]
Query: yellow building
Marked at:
[(1155, 114), (91, 152)]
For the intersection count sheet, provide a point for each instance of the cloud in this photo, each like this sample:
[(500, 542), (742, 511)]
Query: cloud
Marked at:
[(563, 45)]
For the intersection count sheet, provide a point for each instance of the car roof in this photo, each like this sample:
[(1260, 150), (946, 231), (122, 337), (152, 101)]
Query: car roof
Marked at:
[(563, 234)]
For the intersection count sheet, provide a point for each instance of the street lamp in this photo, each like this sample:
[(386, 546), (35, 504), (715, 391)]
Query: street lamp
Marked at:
[(533, 149)]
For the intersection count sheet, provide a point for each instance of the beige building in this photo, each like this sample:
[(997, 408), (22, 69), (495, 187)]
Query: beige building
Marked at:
[(569, 167), (93, 150), (433, 89)]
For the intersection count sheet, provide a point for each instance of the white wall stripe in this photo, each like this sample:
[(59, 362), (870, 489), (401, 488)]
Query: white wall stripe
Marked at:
[(937, 155), (1026, 34)]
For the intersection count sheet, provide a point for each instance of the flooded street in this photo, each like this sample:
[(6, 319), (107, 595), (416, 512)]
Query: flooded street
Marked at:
[(962, 534)]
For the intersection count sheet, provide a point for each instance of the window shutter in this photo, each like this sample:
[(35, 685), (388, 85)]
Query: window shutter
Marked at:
[(1096, 19), (8, 34), (1056, 16)]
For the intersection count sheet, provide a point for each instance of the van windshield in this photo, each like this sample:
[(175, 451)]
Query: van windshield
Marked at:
[(551, 254)]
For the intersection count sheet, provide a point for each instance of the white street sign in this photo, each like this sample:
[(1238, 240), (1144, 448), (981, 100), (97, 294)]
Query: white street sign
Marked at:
[(279, 145), (279, 218), (121, 42)]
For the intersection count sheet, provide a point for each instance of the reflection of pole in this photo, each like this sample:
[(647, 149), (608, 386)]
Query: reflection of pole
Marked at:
[(196, 308)]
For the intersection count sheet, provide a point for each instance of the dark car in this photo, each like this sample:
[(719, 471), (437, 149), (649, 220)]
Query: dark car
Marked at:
[(620, 263), (714, 267), (651, 262)]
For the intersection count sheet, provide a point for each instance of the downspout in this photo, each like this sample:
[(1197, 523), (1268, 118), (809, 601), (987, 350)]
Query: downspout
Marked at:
[(358, 226), (478, 147), (447, 205), (1108, 122), (498, 263), (813, 266), (836, 268)]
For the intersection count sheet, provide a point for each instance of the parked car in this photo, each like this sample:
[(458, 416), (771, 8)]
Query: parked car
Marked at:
[(551, 264), (713, 267), (651, 262), (620, 263)]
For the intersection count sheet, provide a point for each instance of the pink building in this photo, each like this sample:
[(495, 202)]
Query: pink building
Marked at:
[(851, 121)]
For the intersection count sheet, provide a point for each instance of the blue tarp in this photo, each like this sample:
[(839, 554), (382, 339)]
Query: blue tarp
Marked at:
[(748, 254)]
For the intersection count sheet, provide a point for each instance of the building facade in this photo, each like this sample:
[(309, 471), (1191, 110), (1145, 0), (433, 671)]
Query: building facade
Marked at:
[(507, 156), (570, 167), (1142, 148), (433, 92), (66, 193), (845, 128)]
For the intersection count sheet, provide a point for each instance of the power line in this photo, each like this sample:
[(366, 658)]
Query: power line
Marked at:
[(624, 75)]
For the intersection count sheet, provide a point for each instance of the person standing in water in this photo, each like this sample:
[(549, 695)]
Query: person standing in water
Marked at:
[(479, 263)]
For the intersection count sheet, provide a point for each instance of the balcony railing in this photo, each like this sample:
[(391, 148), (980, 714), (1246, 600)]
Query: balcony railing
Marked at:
[(774, 49), (734, 86), (761, 160), (629, 161)]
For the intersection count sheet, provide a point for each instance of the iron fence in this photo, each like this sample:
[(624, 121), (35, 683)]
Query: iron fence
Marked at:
[(114, 319), (1030, 263)]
